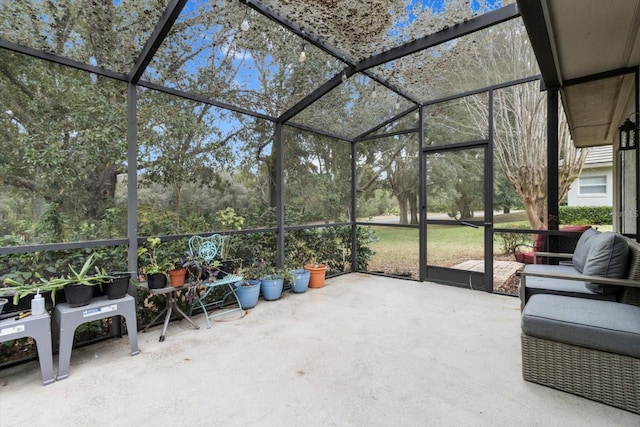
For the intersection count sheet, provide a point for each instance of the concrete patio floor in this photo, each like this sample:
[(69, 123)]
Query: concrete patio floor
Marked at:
[(362, 351)]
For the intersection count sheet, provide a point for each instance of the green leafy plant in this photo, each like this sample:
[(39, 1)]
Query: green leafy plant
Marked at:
[(154, 262), (198, 267), (20, 290), (230, 221)]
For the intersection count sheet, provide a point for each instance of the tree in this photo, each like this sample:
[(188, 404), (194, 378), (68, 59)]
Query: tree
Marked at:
[(456, 179), (63, 130), (494, 55), (520, 120)]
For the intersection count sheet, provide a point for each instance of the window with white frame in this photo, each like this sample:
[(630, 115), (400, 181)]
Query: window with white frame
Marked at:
[(593, 185)]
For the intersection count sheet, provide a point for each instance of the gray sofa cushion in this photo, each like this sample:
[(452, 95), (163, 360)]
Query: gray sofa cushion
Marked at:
[(601, 325), (582, 248), (607, 258), (557, 286), (547, 268), (572, 288)]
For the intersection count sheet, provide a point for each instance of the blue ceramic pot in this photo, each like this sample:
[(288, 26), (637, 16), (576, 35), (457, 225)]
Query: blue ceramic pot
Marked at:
[(271, 287), (300, 281), (248, 292)]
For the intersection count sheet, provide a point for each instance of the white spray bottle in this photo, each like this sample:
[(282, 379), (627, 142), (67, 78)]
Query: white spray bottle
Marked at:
[(37, 304)]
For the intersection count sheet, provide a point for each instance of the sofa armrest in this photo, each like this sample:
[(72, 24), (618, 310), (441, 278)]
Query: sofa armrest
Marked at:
[(551, 255), (584, 278)]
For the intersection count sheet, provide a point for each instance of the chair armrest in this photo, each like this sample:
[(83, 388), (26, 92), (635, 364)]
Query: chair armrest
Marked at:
[(523, 245), (551, 255), (584, 278)]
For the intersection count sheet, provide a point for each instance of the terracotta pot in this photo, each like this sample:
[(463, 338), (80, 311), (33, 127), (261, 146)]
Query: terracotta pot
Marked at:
[(317, 274), (177, 277)]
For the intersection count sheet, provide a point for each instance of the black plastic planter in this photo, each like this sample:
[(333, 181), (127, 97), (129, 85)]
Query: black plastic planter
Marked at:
[(118, 286), (156, 281), (77, 294)]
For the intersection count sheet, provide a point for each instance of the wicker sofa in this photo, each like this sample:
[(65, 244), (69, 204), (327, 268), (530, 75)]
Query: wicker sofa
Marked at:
[(583, 341), (604, 266)]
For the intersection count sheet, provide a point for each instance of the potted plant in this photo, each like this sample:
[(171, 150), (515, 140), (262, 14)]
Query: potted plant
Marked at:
[(178, 274), (299, 280), (78, 285), (155, 267), (118, 286), (318, 271), (272, 282), (248, 290), (16, 293), (199, 269)]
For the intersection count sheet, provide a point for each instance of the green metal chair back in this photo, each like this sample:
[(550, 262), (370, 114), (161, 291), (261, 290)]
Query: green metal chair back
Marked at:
[(206, 248)]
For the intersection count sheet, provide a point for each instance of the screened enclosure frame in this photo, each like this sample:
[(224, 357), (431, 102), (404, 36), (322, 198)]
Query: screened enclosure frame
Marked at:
[(365, 67)]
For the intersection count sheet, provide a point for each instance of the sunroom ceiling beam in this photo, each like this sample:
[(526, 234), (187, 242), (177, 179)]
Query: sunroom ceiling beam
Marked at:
[(390, 134), (310, 38), (57, 59), (296, 29), (318, 131), (390, 86), (316, 94), (364, 135), (171, 13), (203, 99), (459, 30)]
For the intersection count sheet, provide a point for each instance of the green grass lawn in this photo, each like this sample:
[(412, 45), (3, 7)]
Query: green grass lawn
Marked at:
[(397, 249)]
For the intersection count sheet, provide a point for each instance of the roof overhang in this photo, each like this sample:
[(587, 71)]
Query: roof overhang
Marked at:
[(589, 49)]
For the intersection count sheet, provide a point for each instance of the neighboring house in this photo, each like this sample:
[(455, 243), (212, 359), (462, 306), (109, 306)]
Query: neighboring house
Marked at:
[(594, 186)]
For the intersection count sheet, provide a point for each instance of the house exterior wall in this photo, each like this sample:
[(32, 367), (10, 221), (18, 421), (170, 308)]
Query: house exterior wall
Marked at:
[(576, 197)]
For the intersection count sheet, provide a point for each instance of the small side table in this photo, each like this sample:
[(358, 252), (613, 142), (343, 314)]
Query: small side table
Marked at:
[(170, 294), (39, 328), (67, 319)]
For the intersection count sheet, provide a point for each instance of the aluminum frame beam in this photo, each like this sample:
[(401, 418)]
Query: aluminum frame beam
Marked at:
[(326, 87), (533, 16), (132, 176), (398, 116), (473, 25), (203, 99), (171, 13), (61, 60)]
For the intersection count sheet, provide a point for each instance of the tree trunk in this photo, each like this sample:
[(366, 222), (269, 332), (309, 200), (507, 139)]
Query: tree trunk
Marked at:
[(413, 208), (402, 202), (532, 215)]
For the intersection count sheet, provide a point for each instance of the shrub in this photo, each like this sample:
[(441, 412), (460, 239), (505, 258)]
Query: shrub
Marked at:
[(586, 215), (509, 241)]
